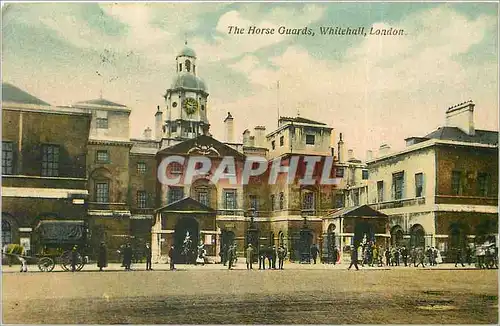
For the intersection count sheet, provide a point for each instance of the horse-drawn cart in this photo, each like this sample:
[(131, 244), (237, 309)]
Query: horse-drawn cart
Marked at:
[(60, 241)]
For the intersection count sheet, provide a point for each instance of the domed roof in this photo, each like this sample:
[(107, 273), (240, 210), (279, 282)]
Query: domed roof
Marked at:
[(190, 81), (187, 52)]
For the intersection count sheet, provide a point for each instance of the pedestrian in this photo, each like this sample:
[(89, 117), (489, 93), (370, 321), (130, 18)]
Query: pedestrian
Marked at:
[(314, 252), (420, 257), (336, 255), (387, 254), (102, 259), (223, 254), (354, 258), (149, 255), (127, 256), (458, 257), (231, 256), (262, 257), (74, 257), (439, 259), (249, 256), (404, 254), (171, 256), (281, 256), (273, 256)]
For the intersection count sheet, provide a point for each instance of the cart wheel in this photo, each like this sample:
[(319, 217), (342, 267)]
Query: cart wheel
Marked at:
[(46, 264), (66, 261)]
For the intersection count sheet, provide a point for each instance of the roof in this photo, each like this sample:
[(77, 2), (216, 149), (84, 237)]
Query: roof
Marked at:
[(456, 134), (202, 145), (11, 93), (101, 101), (302, 120), (188, 81), (186, 205), (363, 211), (187, 52)]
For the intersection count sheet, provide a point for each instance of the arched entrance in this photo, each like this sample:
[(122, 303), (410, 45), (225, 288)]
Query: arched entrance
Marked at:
[(186, 226), (397, 236), (329, 243), (417, 236), (363, 233), (281, 239), (7, 237), (271, 239)]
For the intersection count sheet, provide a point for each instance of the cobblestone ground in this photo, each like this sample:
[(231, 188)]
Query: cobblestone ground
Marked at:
[(213, 295)]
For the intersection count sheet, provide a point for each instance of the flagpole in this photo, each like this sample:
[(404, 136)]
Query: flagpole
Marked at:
[(278, 100)]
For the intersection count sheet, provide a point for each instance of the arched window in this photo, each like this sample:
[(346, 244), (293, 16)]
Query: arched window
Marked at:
[(180, 66), (397, 236), (187, 63), (417, 236), (6, 232), (282, 200), (281, 238)]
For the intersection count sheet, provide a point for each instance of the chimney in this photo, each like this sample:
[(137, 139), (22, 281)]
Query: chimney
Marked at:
[(340, 152), (350, 155), (147, 133), (384, 150), (158, 124), (228, 121), (369, 155), (259, 132), (251, 141), (462, 117), (246, 137)]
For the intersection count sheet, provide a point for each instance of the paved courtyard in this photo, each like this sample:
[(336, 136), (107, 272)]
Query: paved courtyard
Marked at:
[(210, 294)]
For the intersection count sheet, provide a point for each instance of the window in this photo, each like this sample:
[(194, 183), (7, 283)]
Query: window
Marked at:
[(203, 197), (180, 66), (7, 157), (272, 202), (282, 200), (338, 201), (483, 181), (364, 174), (282, 140), (456, 182), (141, 168), (102, 192), (50, 160), (309, 139), (101, 120), (273, 144), (176, 168), (174, 105), (339, 172), (6, 233), (398, 185), (175, 194), (102, 156), (419, 185), (187, 63), (102, 123), (355, 197), (173, 128), (229, 199), (141, 199), (380, 191), (254, 203), (308, 201)]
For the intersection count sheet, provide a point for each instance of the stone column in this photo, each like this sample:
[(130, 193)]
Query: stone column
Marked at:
[(155, 239), (217, 245)]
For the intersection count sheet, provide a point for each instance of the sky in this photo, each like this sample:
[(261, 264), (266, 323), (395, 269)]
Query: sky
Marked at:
[(374, 89)]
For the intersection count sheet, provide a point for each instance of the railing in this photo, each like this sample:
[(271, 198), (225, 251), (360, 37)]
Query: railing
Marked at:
[(108, 206), (399, 203), (466, 200), (231, 212)]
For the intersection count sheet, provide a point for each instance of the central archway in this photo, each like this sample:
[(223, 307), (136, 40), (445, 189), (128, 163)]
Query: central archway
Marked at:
[(183, 226)]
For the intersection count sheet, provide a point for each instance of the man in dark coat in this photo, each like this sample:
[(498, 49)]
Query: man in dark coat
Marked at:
[(231, 255), (335, 255), (404, 254), (458, 257), (102, 259), (281, 256), (127, 256), (314, 252), (171, 254), (354, 258), (149, 255), (74, 258)]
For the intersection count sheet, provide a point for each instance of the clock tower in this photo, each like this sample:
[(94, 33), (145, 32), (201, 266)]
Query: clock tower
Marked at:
[(186, 102)]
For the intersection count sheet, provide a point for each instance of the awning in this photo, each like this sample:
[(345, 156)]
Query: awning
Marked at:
[(363, 211)]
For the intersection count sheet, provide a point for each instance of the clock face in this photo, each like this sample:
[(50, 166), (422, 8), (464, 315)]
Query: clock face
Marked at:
[(190, 105)]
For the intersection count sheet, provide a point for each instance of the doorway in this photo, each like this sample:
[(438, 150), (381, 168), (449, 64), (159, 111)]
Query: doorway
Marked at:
[(186, 228)]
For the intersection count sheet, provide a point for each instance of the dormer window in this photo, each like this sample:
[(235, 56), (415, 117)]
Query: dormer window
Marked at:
[(187, 63)]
